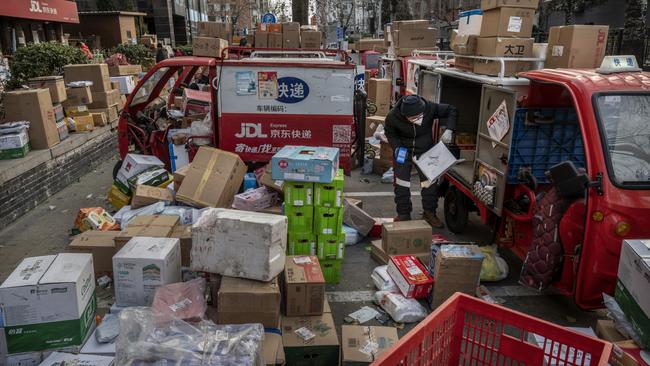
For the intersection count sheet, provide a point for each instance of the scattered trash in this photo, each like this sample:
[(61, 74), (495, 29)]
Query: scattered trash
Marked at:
[(305, 333), (486, 295), (89, 196), (364, 314)]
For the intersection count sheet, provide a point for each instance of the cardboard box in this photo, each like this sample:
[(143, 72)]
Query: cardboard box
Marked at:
[(298, 193), (301, 244), (492, 68), (311, 39), (576, 46), (305, 164), (386, 151), (273, 349), (301, 219), (261, 39), (155, 226), (457, 269), (147, 195), (357, 342), (120, 70), (212, 179), (126, 84), (632, 288), (111, 112), (143, 265), (105, 99), (415, 38), (215, 30), (242, 301), (304, 286), (372, 123), (55, 84), (35, 106), (507, 22), (264, 177), (290, 38), (75, 111), (84, 123), (410, 276), (101, 244), (78, 96), (179, 176), (209, 47), (321, 350), (290, 27), (97, 73), (406, 237), (605, 329), (357, 218), (274, 40), (493, 4), (135, 164), (184, 234), (411, 24), (99, 119), (505, 47), (379, 96), (330, 194), (368, 44)]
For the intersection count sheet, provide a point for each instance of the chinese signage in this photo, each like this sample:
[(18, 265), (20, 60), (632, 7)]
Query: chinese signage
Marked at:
[(49, 10)]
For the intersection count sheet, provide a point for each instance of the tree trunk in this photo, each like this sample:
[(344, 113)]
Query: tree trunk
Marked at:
[(300, 11)]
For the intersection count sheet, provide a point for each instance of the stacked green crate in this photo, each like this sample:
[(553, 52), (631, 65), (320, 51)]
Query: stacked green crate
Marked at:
[(299, 209), (301, 244), (328, 226)]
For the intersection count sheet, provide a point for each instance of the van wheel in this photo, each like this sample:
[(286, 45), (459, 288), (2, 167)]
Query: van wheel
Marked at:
[(456, 211), (116, 169)]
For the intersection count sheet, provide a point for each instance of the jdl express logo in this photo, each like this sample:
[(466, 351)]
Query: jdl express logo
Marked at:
[(292, 90), (251, 130)]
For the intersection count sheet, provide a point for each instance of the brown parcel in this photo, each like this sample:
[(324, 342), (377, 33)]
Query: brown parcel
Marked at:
[(493, 4), (55, 84), (310, 39), (184, 234), (368, 44), (406, 237), (147, 195), (105, 99), (576, 46), (273, 349), (415, 38), (102, 246), (274, 40), (215, 30), (507, 22), (605, 329), (179, 175), (290, 26), (379, 96), (385, 151), (378, 254), (35, 106), (97, 73), (121, 70), (355, 337), (99, 119), (381, 166), (504, 47), (357, 218), (304, 287), (325, 344), (261, 39), (209, 47), (456, 272), (243, 301), (111, 112), (156, 226), (290, 38), (411, 24), (78, 96), (463, 45), (84, 123), (492, 68), (213, 179), (372, 123)]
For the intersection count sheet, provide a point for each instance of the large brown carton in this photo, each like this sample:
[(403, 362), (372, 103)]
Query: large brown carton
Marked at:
[(310, 39), (275, 40), (273, 349), (147, 195), (493, 68), (105, 99), (504, 47), (35, 106), (111, 112), (243, 301), (290, 38), (507, 22), (214, 177), (155, 226), (215, 30), (97, 73), (493, 4), (124, 70), (209, 47), (406, 237), (457, 269), (323, 349), (78, 96), (184, 234), (368, 44), (464, 63), (354, 339), (463, 45), (101, 244), (415, 38), (379, 96), (55, 84), (576, 46), (411, 24), (179, 175), (304, 286), (261, 39)]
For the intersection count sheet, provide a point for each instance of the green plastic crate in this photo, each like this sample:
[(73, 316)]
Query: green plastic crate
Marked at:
[(301, 219), (331, 246), (14, 153), (301, 244), (298, 193), (331, 269), (328, 220), (330, 194)]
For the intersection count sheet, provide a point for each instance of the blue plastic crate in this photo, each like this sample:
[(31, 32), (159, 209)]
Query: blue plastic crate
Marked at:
[(539, 146)]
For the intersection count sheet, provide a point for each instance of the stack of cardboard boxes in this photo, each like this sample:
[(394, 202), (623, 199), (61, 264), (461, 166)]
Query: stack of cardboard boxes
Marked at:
[(408, 35), (379, 97), (56, 86), (93, 105), (287, 35), (212, 39)]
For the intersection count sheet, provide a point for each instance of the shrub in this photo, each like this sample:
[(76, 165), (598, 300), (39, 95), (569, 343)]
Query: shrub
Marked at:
[(42, 59), (136, 54), (185, 48)]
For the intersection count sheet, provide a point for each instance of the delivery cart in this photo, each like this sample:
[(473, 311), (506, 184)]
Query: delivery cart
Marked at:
[(468, 331), (582, 133)]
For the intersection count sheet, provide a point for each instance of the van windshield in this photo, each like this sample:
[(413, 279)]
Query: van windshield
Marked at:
[(147, 87), (625, 127)]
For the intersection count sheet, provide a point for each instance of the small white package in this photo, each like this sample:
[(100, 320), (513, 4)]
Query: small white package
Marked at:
[(382, 280)]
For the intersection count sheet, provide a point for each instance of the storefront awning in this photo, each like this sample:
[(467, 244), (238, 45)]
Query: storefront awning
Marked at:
[(49, 10)]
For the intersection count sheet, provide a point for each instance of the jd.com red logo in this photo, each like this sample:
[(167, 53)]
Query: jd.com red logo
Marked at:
[(283, 164)]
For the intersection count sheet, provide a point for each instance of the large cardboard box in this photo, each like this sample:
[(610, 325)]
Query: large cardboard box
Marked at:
[(411, 24), (504, 47), (101, 244), (463, 44), (415, 38), (359, 342), (155, 226), (606, 329), (493, 4), (273, 348), (304, 286), (493, 68), (305, 164), (357, 218), (290, 38), (310, 39), (406, 237), (99, 119), (121, 70), (214, 177), (126, 84), (215, 30), (242, 301), (35, 106), (507, 22), (457, 269), (290, 26), (576, 46), (633, 287), (274, 40), (379, 96), (179, 176), (372, 122), (239, 243), (322, 349), (410, 276), (55, 84), (78, 96), (377, 253), (105, 99), (147, 195), (209, 47), (184, 234), (143, 265), (97, 73), (112, 113), (261, 39), (368, 44)]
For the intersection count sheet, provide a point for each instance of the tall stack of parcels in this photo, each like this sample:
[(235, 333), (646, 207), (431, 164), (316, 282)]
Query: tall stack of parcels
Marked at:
[(212, 39), (287, 35), (409, 35)]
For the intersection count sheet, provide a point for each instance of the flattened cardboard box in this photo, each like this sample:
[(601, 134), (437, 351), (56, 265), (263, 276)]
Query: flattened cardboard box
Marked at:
[(155, 226), (321, 350), (507, 22), (358, 342), (406, 237), (304, 286), (357, 218), (243, 301), (147, 195), (101, 244)]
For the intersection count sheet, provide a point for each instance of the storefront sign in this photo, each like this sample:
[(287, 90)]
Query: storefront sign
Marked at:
[(49, 10)]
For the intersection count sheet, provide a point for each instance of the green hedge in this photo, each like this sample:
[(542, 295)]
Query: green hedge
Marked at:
[(42, 59)]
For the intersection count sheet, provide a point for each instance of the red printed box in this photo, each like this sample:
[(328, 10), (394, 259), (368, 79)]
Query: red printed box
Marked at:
[(410, 276)]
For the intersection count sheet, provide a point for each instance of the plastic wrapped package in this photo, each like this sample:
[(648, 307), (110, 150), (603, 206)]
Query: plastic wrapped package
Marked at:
[(399, 308), (126, 214), (184, 213), (182, 300), (149, 340), (382, 280), (202, 128), (108, 329)]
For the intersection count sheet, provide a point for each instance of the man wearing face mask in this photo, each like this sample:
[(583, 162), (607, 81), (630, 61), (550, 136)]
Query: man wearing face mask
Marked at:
[(409, 129)]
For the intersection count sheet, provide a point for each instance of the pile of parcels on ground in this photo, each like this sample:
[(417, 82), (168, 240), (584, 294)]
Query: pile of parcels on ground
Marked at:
[(43, 114)]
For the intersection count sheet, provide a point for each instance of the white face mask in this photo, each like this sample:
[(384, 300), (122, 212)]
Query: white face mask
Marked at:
[(418, 120)]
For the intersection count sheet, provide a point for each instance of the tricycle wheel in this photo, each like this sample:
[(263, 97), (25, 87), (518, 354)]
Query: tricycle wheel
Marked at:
[(116, 169), (456, 212)]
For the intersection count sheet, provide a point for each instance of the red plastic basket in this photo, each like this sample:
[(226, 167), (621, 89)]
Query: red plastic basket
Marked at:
[(468, 331)]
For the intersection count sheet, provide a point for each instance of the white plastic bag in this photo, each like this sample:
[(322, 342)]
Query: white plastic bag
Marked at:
[(126, 215), (401, 309), (382, 280)]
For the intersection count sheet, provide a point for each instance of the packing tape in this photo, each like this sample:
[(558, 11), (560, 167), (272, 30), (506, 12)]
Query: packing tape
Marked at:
[(203, 182)]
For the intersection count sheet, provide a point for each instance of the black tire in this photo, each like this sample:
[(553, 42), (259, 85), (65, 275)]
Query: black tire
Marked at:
[(116, 169), (456, 211)]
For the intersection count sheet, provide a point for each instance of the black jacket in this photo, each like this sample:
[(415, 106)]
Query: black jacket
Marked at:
[(418, 139)]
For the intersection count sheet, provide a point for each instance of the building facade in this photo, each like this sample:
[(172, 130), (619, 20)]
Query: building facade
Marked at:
[(106, 28)]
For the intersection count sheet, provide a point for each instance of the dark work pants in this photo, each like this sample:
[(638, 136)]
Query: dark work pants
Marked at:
[(402, 185)]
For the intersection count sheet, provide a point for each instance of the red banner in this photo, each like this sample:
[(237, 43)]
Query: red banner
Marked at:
[(49, 10)]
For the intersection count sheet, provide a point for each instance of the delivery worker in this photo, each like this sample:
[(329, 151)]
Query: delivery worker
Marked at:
[(409, 129)]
